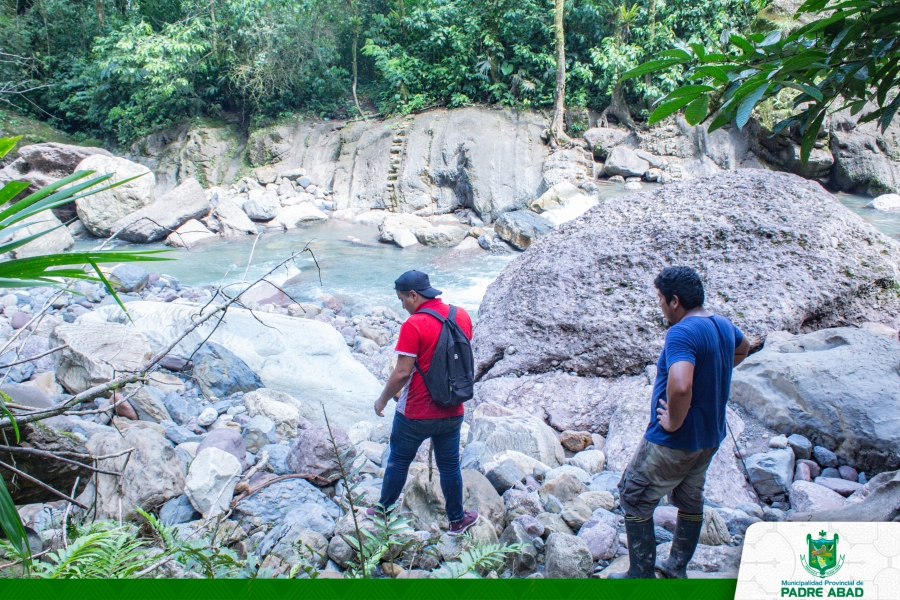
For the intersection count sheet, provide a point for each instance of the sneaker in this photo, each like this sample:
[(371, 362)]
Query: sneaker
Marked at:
[(371, 511), (459, 527)]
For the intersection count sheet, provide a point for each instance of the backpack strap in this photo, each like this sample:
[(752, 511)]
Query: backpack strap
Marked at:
[(440, 318)]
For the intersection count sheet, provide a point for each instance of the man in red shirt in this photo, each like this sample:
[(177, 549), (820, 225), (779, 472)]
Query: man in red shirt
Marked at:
[(417, 417)]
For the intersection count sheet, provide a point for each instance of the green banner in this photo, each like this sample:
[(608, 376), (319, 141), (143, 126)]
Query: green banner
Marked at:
[(529, 589)]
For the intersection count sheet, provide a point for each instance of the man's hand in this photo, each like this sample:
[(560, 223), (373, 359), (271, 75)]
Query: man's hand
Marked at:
[(379, 407), (662, 414)]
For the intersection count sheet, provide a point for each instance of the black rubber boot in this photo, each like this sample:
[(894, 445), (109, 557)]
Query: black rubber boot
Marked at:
[(687, 534), (641, 549)]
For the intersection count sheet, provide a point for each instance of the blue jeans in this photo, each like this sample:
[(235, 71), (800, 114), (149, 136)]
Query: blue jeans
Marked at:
[(406, 437)]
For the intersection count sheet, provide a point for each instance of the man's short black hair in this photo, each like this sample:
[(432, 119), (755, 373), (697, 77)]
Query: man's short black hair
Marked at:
[(683, 282)]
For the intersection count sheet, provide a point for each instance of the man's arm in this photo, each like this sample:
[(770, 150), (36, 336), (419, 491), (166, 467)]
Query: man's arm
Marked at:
[(741, 352), (673, 412), (399, 376)]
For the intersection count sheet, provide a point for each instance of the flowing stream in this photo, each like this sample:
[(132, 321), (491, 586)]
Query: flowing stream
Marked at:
[(360, 271)]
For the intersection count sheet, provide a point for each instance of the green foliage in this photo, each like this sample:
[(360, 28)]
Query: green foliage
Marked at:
[(478, 559), (393, 534), (847, 57)]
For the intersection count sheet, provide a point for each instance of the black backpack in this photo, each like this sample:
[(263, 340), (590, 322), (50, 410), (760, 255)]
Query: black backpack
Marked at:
[(451, 376)]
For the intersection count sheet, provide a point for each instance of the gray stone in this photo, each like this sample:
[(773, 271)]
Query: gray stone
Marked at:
[(808, 497), (526, 434), (553, 523), (567, 557), (724, 561), (831, 473), (601, 140), (233, 222), (564, 488), (504, 476), (602, 540), (55, 241), (521, 503), (426, 506), (801, 472), (96, 353), (179, 434), (312, 452), (569, 469), (273, 502), (841, 486), (228, 440), (178, 510), (623, 161), (442, 236), (311, 516), (263, 207), (258, 433), (886, 202), (825, 457), (849, 473), (219, 372), (148, 402), (156, 221), (521, 228), (207, 417), (518, 533), (814, 469), (278, 454), (181, 409), (100, 211), (865, 158), (801, 446), (475, 455), (737, 520), (835, 386), (589, 325), (771, 473), (608, 481)]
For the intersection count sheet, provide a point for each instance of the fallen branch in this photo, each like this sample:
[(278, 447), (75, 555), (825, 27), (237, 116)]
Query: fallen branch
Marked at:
[(54, 456), (238, 499), (41, 355)]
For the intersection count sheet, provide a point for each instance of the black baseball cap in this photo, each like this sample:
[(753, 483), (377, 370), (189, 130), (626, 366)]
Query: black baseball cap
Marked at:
[(416, 281)]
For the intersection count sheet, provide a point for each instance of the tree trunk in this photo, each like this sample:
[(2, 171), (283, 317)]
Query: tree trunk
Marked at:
[(618, 107), (98, 4), (212, 21), (355, 44), (558, 127)]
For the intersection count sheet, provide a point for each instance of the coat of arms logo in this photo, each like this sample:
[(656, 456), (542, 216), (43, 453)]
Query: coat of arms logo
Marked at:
[(824, 559)]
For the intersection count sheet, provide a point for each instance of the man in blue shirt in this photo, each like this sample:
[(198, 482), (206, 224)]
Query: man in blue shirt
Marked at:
[(687, 424)]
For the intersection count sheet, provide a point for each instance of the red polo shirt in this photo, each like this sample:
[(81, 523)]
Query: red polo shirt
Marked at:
[(418, 338)]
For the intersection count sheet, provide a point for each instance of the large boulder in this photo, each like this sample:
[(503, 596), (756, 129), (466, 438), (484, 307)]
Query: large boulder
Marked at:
[(156, 221), (526, 434), (522, 227), (602, 140), (153, 473), (233, 222), (96, 353), (55, 241), (313, 453), (291, 217), (281, 408), (623, 161), (866, 159), (220, 373), (881, 502), (771, 473), (424, 503), (319, 372), (725, 480), (211, 480), (838, 387), (228, 440), (567, 557), (100, 211), (579, 300), (886, 202), (808, 497), (273, 502)]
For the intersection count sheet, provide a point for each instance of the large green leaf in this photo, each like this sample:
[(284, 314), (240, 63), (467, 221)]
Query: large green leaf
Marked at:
[(651, 67), (7, 144), (667, 108), (11, 524), (745, 108), (696, 111)]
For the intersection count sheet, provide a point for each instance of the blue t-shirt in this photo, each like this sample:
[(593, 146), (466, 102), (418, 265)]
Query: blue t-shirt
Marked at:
[(708, 343)]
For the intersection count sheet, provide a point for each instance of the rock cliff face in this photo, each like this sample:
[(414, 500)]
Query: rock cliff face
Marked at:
[(776, 252)]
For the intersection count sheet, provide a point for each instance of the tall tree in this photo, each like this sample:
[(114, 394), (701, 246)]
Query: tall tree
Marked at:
[(558, 126)]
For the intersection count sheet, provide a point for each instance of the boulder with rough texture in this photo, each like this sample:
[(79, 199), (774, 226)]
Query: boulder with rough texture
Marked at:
[(272, 503), (259, 433), (482, 532), (393, 225), (55, 241), (320, 370), (602, 540), (866, 159), (99, 212), (148, 402), (153, 475), (192, 232), (725, 480), (281, 408), (715, 530), (519, 533), (228, 440), (233, 222), (305, 213), (724, 561), (442, 236), (879, 500), (424, 501), (526, 434), (96, 353), (157, 220), (769, 261), (886, 202), (211, 479), (220, 373), (838, 387), (262, 207), (575, 441), (521, 228), (288, 544), (807, 497), (590, 461), (312, 452), (771, 473), (567, 557), (623, 161), (602, 140), (801, 445), (565, 487)]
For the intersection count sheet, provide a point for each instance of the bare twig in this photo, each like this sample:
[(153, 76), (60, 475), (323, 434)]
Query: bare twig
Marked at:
[(314, 478), (41, 484), (54, 456), (41, 355), (66, 516)]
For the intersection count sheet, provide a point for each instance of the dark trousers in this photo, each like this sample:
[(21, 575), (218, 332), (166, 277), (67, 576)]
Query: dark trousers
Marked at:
[(406, 437)]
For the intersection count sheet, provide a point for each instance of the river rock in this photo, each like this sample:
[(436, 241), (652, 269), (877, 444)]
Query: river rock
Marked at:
[(504, 476), (771, 473), (567, 557), (178, 510), (273, 502), (312, 453), (579, 474), (565, 487), (190, 234), (801, 446), (338, 549), (233, 222), (886, 202), (519, 502), (724, 561), (281, 408), (221, 373), (602, 540), (865, 157), (157, 220), (597, 499), (100, 211), (841, 486), (321, 370), (482, 532), (575, 441), (228, 440), (601, 317), (129, 278), (715, 530), (808, 497), (262, 207), (294, 216), (565, 401), (526, 434), (602, 140), (424, 501), (555, 198), (55, 241), (518, 533), (589, 461), (211, 479), (258, 433), (623, 161), (521, 228), (153, 474), (149, 402), (96, 353), (287, 544), (838, 387), (725, 480), (441, 236)]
